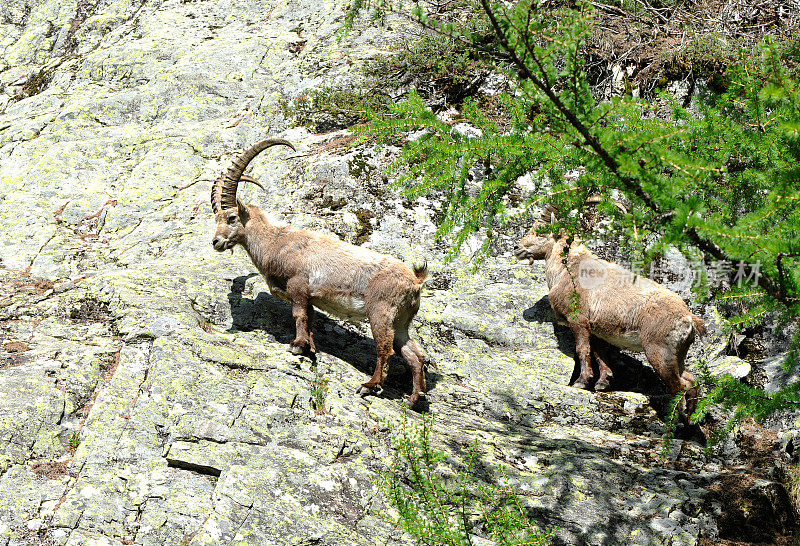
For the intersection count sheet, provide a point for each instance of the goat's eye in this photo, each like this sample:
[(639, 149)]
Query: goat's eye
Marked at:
[(231, 219)]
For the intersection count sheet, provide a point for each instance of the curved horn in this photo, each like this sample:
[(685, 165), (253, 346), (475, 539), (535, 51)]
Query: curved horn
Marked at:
[(548, 214), (246, 178), (223, 192), (596, 198)]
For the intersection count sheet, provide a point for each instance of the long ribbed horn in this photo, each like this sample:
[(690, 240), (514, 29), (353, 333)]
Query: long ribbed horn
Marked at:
[(223, 192)]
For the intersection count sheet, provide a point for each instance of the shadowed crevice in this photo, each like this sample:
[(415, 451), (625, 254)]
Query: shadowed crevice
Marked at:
[(193, 467)]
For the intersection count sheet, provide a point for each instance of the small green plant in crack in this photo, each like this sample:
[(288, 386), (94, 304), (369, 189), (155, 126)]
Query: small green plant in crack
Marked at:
[(205, 325), (74, 441), (359, 166), (437, 504), (365, 226), (319, 391)]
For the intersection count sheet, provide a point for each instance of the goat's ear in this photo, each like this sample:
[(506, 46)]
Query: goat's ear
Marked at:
[(243, 215)]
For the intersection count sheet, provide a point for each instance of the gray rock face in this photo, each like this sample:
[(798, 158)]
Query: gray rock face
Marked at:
[(146, 395)]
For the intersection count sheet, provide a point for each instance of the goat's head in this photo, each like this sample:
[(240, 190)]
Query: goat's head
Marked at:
[(230, 212), (230, 227), (535, 246)]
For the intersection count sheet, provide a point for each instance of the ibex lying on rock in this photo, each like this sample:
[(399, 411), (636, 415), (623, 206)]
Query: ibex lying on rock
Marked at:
[(311, 269), (596, 297)]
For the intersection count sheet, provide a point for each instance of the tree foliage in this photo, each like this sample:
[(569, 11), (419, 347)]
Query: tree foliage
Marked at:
[(718, 179)]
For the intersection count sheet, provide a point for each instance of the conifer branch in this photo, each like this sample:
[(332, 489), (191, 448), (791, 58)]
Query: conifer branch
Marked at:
[(775, 290)]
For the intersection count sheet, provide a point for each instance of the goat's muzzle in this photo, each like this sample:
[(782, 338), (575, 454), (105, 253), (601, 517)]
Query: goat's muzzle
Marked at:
[(220, 244), (523, 253)]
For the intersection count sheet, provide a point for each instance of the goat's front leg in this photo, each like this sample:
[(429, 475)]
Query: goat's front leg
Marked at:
[(665, 363), (303, 312), (584, 350), (601, 353)]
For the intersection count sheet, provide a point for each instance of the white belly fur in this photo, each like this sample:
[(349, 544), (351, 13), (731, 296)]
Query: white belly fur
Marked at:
[(350, 308), (627, 340)]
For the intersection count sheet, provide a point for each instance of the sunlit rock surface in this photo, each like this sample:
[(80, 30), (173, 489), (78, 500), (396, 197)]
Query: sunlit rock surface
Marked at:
[(164, 363)]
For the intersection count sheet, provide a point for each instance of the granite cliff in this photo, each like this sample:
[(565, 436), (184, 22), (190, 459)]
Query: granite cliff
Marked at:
[(126, 335)]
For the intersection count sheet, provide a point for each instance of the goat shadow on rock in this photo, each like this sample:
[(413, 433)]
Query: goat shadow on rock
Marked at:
[(274, 317), (563, 458), (630, 374)]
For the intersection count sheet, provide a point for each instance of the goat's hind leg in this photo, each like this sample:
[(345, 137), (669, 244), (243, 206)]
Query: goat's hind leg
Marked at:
[(303, 312), (380, 322), (665, 362), (602, 351), (416, 359)]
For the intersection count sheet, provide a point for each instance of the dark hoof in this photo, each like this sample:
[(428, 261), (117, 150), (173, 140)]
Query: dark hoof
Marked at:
[(602, 385), (366, 389), (301, 350), (415, 399)]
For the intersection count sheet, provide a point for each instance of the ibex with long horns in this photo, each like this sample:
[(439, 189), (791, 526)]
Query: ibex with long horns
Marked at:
[(310, 269), (598, 298)]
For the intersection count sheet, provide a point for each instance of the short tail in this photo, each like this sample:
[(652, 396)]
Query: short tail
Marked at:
[(421, 272), (699, 325)]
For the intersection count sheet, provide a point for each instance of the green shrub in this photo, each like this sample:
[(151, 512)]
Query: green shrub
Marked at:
[(329, 108), (437, 67), (440, 505)]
